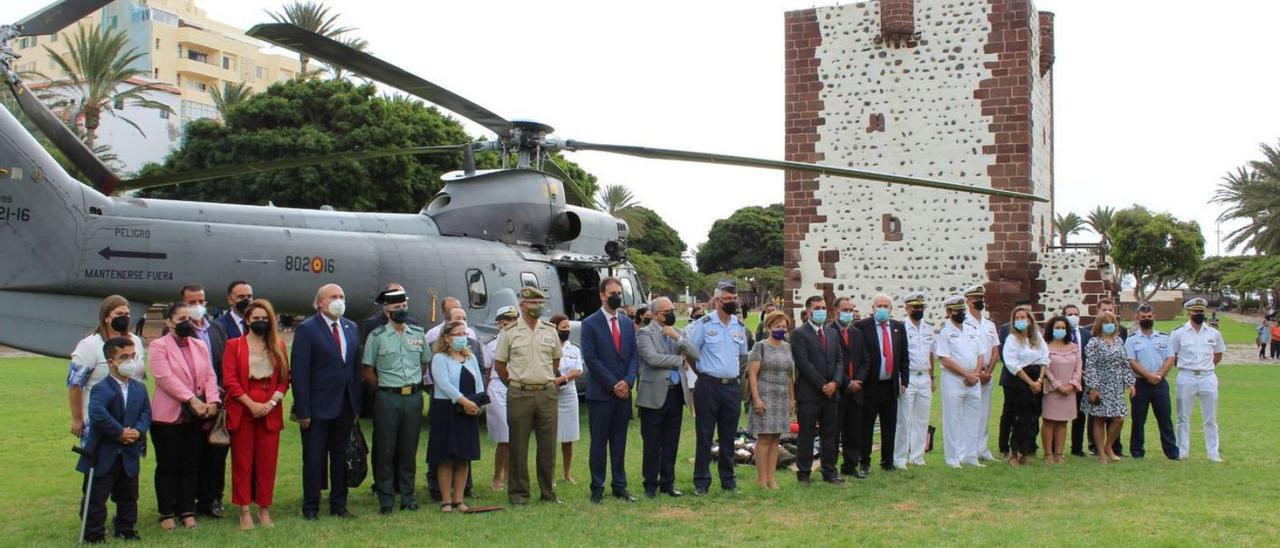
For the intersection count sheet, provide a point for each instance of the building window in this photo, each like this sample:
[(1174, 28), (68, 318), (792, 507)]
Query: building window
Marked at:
[(164, 115), (157, 43), (115, 21), (476, 293), (226, 63), (23, 42), (165, 17), (259, 73), (192, 110), (197, 56), (53, 37), (528, 279), (118, 104)]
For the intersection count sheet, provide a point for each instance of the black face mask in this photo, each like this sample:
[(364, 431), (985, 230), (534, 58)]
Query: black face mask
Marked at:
[(400, 316), (958, 317), (184, 329), (242, 305), (917, 315), (669, 318), (730, 308), (260, 327), (1197, 319), (614, 301), (120, 324), (564, 335), (979, 305), (696, 318), (1146, 324)]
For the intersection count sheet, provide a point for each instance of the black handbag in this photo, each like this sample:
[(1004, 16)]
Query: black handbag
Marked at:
[(357, 457)]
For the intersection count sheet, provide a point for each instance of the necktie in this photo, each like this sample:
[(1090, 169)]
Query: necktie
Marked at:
[(887, 345), (675, 373), (337, 339), (822, 337), (844, 335), (617, 335)]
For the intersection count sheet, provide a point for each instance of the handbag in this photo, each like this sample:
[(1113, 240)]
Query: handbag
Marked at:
[(218, 435), (357, 457)]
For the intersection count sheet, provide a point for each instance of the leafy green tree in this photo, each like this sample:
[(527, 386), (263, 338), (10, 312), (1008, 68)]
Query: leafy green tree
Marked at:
[(1252, 194), (1256, 275), (230, 95), (1065, 226), (1158, 250), (313, 16), (619, 201), (668, 276), (93, 79), (659, 238), (749, 238)]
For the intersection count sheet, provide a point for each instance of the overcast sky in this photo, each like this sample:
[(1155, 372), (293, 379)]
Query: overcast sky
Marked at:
[(1155, 100)]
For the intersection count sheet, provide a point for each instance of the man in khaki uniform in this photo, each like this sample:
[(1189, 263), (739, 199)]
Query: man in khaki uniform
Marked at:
[(527, 360)]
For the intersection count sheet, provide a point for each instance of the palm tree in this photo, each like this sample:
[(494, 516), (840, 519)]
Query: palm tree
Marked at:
[(1066, 226), (96, 74), (229, 96), (1100, 221), (353, 42), (617, 200), (1252, 195), (102, 151), (313, 16)]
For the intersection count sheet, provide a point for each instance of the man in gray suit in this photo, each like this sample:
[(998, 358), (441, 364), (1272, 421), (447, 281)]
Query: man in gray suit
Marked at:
[(662, 395)]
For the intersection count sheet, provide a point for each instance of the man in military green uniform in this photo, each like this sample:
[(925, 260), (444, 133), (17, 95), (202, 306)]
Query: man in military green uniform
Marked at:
[(527, 360), (394, 357)]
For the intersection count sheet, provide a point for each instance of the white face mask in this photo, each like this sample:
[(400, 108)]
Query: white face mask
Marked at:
[(1074, 321), (129, 368), (337, 308), (198, 312)]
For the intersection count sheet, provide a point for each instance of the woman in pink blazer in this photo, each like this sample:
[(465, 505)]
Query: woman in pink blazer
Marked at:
[(186, 396)]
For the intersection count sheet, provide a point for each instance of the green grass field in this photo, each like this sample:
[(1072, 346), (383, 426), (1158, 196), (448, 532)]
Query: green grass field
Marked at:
[(1149, 502)]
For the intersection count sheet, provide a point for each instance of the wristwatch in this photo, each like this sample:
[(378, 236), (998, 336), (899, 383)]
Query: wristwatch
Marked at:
[(272, 402)]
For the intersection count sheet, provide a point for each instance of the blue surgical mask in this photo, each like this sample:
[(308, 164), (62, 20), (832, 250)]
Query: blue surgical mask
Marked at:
[(818, 317), (1059, 334), (1108, 328), (882, 315), (1020, 325), (458, 343), (778, 334), (846, 318)]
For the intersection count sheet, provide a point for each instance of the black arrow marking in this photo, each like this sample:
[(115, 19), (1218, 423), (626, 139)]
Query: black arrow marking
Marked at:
[(108, 253)]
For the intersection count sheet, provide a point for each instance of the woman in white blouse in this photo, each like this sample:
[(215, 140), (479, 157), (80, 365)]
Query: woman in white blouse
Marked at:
[(89, 366), (1025, 354), (570, 369)]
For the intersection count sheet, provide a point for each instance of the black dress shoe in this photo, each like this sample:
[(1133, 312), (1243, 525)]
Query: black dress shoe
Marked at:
[(698, 491), (310, 516), (342, 513), (597, 497), (803, 479), (624, 495), (650, 494), (217, 510), (673, 492), (410, 506), (860, 473), (731, 490), (1077, 453), (95, 540), (887, 467), (386, 510), (837, 480), (128, 535), (552, 500)]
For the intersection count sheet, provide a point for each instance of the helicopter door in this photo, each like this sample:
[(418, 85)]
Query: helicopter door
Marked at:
[(579, 288)]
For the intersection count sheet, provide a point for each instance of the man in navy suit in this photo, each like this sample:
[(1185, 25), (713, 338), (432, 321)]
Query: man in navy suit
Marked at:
[(119, 417), (609, 353), (888, 372), (325, 375), (239, 295)]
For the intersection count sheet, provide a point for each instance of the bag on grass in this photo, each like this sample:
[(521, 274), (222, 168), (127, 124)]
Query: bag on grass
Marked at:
[(357, 457)]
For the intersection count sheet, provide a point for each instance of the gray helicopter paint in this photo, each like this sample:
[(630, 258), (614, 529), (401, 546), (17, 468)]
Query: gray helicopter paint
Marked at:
[(64, 246)]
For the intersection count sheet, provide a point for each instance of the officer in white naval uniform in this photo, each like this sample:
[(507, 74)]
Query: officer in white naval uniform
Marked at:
[(963, 351), (975, 297), (1197, 348), (914, 405)]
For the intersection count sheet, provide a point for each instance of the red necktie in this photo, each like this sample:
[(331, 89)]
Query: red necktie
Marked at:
[(617, 335), (337, 339), (887, 344), (822, 337)]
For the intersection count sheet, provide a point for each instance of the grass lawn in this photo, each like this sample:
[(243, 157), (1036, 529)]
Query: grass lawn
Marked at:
[(1149, 502)]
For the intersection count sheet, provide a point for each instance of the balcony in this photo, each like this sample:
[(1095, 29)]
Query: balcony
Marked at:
[(202, 70)]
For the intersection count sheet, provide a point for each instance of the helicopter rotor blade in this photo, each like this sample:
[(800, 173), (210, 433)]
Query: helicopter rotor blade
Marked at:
[(101, 176), (745, 161), (58, 15), (336, 53), (276, 165)]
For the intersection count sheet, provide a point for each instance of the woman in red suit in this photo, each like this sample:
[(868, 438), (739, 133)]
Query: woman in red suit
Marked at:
[(255, 373)]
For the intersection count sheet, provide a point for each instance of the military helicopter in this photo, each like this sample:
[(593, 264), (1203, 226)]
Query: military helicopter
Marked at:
[(65, 244)]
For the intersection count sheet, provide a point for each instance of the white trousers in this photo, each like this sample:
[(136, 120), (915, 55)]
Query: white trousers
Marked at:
[(1190, 387), (913, 421), (961, 411), (983, 449)]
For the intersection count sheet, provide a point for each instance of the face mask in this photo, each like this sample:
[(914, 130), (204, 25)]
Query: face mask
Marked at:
[(260, 327), (958, 317), (669, 318), (337, 308), (614, 301), (242, 305), (778, 334), (184, 329), (1074, 320), (535, 311), (120, 324), (882, 315), (198, 311), (917, 315), (979, 305), (730, 307), (400, 316), (818, 317), (643, 321), (1197, 318), (846, 318), (1020, 325), (1108, 328), (1146, 324), (1060, 334), (564, 335), (696, 318), (458, 343), (128, 369)]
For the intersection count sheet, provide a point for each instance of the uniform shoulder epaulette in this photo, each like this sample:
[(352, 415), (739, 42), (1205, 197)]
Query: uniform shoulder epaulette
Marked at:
[(547, 323), (379, 330), (705, 319), (415, 328)]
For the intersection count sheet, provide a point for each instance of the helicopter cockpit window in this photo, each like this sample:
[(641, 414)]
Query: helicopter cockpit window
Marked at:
[(477, 295), (628, 292), (528, 279)]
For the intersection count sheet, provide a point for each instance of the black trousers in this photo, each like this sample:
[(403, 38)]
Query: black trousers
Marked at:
[(660, 430), (820, 418), (1006, 425), (1275, 349), (1155, 396), (211, 476), (324, 445), (880, 401), (851, 426), (1077, 430), (177, 449), (608, 421), (1024, 413), (123, 490), (718, 407)]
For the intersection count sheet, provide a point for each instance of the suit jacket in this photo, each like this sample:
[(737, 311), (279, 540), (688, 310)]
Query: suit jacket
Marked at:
[(816, 365), (871, 332), (108, 416), (659, 355), (605, 365), (1083, 342), (230, 328), (855, 356), (321, 373), (217, 345), (235, 378), (178, 380), (1005, 375)]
